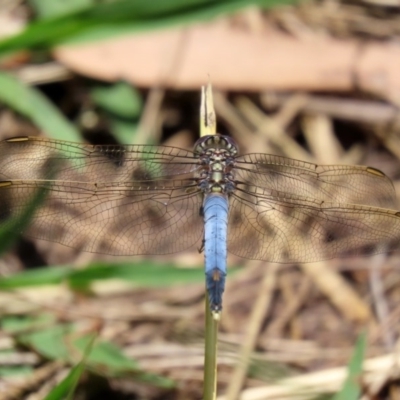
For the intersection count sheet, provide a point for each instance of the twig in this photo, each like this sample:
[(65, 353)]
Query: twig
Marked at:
[(257, 317)]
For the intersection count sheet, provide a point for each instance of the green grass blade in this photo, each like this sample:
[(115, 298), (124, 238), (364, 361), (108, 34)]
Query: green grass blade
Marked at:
[(122, 105), (66, 388), (34, 105), (11, 231), (36, 277), (60, 342), (351, 389), (120, 99), (108, 359), (104, 20), (25, 323), (141, 274), (50, 8), (20, 371), (51, 342)]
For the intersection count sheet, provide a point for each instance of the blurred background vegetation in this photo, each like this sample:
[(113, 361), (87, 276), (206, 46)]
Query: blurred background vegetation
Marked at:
[(311, 80)]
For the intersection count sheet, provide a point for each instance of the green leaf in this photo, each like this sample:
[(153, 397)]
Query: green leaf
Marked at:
[(17, 371), (141, 274), (60, 343), (39, 276), (123, 104), (67, 386), (351, 389), (34, 105), (105, 20), (55, 8), (123, 131), (11, 228), (109, 360), (155, 380), (51, 342), (107, 356), (119, 99), (18, 324)]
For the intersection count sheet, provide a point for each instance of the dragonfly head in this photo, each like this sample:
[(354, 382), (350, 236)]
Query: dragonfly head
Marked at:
[(214, 143)]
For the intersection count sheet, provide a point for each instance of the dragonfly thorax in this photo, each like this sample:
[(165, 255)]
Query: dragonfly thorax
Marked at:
[(216, 158)]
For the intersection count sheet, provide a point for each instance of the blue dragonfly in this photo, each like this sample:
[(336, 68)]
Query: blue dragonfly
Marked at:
[(140, 199)]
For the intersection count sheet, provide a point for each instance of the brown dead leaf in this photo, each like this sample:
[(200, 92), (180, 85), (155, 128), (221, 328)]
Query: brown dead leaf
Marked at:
[(239, 59), (233, 57), (378, 70)]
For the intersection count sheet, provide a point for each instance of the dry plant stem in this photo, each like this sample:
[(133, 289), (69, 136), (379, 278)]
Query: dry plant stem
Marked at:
[(210, 355), (42, 374), (237, 294), (246, 120), (44, 73), (340, 108), (13, 358), (380, 303), (286, 287), (208, 125), (236, 123), (256, 319), (149, 116), (154, 101), (391, 139), (391, 323), (291, 308), (310, 385), (290, 109), (271, 129), (208, 120), (321, 139), (49, 385), (339, 292)]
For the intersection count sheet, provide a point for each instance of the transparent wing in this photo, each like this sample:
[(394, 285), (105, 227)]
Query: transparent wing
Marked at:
[(281, 227), (129, 200), (333, 183), (33, 158), (120, 200)]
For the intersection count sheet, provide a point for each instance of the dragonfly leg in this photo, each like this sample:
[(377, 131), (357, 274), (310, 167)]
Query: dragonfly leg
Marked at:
[(201, 248)]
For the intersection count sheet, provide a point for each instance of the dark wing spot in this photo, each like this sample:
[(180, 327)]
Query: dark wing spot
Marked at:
[(114, 153), (330, 237), (368, 250), (51, 166), (285, 255), (140, 174)]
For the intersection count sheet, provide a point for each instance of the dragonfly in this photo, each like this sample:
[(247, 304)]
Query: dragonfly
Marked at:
[(146, 200)]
